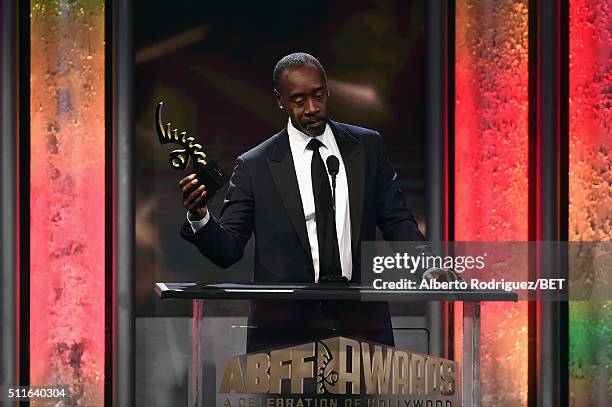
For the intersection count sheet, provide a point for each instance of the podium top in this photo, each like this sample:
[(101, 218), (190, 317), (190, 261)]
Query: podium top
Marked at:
[(254, 291)]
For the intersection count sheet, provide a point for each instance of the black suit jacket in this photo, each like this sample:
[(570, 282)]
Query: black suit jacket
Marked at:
[(264, 199)]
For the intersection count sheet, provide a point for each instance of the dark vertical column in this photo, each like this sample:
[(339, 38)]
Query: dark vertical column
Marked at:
[(23, 179), (533, 168), (437, 126), (9, 235), (549, 128), (122, 204)]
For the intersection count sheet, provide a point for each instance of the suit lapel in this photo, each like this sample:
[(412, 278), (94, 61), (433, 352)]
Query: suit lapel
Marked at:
[(282, 168), (352, 153)]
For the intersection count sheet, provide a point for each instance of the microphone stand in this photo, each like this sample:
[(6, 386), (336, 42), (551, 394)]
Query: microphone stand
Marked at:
[(336, 280), (333, 175)]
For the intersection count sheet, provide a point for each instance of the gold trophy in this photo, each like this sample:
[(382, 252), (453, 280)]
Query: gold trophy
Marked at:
[(207, 172)]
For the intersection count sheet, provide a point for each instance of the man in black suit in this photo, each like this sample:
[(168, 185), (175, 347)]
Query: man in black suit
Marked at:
[(280, 192)]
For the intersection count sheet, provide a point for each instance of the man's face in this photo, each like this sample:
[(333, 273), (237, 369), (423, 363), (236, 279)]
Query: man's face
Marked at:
[(303, 95)]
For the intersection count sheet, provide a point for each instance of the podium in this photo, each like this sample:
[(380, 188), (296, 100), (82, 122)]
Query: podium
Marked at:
[(326, 372)]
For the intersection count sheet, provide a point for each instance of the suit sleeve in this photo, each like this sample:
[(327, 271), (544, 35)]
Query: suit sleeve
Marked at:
[(392, 214), (223, 240)]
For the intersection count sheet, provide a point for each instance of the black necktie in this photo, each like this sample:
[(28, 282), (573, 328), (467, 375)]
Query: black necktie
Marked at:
[(329, 255)]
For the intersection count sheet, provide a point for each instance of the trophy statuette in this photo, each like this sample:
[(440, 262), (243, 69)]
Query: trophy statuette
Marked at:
[(207, 172)]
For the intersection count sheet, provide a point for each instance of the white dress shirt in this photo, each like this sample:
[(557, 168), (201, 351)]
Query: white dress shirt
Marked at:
[(302, 158)]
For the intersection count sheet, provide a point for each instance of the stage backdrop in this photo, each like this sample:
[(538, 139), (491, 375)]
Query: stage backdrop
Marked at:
[(212, 62)]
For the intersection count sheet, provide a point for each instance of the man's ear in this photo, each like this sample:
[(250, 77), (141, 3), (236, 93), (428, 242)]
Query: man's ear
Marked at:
[(278, 99)]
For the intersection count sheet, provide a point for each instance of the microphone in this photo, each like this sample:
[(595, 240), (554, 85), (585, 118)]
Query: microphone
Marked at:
[(333, 166)]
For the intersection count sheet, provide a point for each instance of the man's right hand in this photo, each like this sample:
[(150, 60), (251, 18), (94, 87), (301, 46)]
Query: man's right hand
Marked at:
[(193, 197)]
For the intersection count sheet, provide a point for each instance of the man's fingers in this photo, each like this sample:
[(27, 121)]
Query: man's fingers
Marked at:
[(442, 275), (200, 199), (193, 192), (194, 195), (188, 190), (190, 187), (186, 180)]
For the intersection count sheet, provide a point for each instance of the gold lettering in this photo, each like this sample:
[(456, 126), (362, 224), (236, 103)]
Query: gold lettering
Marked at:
[(417, 367), (327, 366), (278, 369), (376, 373), (401, 372), (338, 364), (354, 374), (431, 376), (232, 378), (300, 368), (447, 377), (257, 378)]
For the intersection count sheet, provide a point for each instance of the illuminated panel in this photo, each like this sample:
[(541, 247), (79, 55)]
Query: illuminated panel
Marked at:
[(67, 198), (590, 191), (491, 167)]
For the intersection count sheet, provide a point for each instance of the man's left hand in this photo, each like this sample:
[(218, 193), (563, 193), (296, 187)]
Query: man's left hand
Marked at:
[(442, 275)]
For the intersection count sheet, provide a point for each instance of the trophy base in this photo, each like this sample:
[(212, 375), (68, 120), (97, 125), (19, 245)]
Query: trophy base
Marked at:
[(212, 177)]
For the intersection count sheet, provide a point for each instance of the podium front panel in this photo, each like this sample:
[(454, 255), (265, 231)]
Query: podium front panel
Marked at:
[(317, 353)]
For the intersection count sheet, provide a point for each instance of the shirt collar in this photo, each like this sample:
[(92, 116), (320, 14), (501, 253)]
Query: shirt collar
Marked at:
[(300, 139)]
